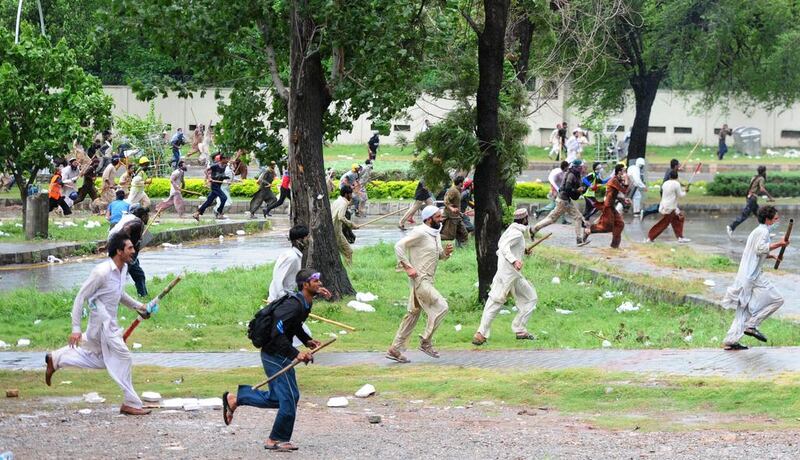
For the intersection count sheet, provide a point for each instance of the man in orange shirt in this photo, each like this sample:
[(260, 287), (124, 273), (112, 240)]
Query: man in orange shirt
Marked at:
[(56, 198)]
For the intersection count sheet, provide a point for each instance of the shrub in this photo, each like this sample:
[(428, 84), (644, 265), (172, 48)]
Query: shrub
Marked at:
[(736, 184), (531, 190)]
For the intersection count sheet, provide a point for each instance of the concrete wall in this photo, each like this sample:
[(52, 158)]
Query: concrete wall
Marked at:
[(779, 128)]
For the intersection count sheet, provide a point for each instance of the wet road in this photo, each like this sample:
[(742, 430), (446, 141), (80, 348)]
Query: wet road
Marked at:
[(247, 251)]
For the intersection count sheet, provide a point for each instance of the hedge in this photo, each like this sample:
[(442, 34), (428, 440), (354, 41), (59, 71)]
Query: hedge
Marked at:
[(736, 184), (376, 189)]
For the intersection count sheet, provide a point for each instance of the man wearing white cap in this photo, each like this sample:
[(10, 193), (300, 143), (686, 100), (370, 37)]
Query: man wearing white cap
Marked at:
[(419, 254), (509, 281)]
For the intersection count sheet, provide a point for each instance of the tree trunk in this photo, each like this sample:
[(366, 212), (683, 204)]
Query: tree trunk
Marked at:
[(645, 88), (23, 194), (308, 101), (488, 219)]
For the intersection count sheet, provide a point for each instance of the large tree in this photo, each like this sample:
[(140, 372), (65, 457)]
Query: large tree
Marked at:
[(47, 101), (324, 62), (726, 48)]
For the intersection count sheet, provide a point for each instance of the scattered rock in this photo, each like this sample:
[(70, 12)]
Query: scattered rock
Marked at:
[(365, 391), (85, 411), (174, 403), (458, 327), (485, 403), (505, 312), (564, 312), (342, 332), (374, 419), (688, 338), (609, 390), (54, 260), (3, 344), (38, 321), (12, 393), (606, 344), (137, 345), (628, 306), (151, 396), (23, 342), (93, 398), (360, 306), (710, 283), (338, 401), (210, 403), (556, 280), (366, 297), (241, 232)]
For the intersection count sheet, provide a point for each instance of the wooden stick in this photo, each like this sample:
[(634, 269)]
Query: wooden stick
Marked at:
[(693, 149), (691, 179), (330, 321), (783, 249), (290, 366), (158, 213), (160, 296), (183, 190), (323, 319), (536, 243), (381, 217)]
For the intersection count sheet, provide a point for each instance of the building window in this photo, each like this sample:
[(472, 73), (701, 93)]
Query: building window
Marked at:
[(790, 134), (402, 127), (679, 130), (656, 129)]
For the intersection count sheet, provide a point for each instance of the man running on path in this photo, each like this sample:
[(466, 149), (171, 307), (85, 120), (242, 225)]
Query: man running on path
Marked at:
[(103, 346), (570, 189), (757, 186), (611, 219), (752, 295), (418, 254), (277, 352), (670, 213), (509, 281)]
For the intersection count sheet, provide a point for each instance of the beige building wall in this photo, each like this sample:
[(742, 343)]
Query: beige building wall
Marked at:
[(674, 120)]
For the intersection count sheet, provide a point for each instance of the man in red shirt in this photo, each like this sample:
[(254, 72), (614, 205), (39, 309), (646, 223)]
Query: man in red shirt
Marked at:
[(286, 192)]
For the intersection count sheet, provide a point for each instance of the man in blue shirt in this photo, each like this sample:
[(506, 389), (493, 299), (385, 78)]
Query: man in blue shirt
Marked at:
[(116, 208)]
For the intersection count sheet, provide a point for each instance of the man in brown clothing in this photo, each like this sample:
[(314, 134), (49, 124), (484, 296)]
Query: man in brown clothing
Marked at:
[(611, 219), (453, 227), (757, 187)]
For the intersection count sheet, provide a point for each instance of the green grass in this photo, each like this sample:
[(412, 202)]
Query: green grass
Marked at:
[(79, 232), (210, 312), (684, 257), (608, 399)]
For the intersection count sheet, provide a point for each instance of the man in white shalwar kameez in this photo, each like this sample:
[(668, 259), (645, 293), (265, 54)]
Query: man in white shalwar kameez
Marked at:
[(419, 254), (752, 295), (102, 345), (509, 281)]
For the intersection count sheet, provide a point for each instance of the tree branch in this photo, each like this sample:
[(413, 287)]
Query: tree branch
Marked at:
[(471, 22), (280, 87)]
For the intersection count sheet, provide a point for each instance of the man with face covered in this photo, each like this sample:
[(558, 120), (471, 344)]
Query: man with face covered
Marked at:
[(571, 189), (508, 280), (419, 254)]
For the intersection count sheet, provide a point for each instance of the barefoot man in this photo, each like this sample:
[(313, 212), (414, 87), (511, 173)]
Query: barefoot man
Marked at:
[(277, 352), (419, 254), (103, 346), (752, 295)]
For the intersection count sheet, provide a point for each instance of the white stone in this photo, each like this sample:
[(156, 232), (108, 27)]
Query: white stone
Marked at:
[(191, 404), (688, 338), (210, 403), (366, 297), (151, 396), (137, 345), (710, 283), (365, 391), (360, 306), (505, 312), (93, 398), (628, 306), (241, 232), (54, 260), (23, 342), (556, 280), (221, 238), (342, 332), (38, 321), (563, 312), (3, 344), (458, 328), (338, 401), (85, 411), (174, 403), (606, 344)]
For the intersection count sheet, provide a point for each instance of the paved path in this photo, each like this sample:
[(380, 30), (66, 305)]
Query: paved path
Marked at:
[(757, 361)]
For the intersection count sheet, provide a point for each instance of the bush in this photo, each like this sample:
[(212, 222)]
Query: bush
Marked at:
[(736, 184), (531, 190)]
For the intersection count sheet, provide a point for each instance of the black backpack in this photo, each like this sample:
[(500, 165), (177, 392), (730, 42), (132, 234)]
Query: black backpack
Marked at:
[(260, 327)]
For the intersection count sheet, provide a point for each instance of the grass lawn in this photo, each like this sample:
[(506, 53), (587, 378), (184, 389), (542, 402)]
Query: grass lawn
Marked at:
[(684, 257), (211, 311), (609, 400), (79, 232)]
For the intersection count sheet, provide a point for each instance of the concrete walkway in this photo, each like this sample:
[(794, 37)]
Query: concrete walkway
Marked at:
[(759, 361)]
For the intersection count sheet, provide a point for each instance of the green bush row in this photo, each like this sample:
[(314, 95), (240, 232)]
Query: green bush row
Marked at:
[(377, 189), (736, 184)]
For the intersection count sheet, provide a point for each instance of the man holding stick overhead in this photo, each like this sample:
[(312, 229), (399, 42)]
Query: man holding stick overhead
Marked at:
[(509, 281), (419, 254), (103, 345), (751, 294), (273, 330)]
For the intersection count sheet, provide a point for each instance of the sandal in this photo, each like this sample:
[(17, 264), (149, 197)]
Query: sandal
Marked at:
[(735, 346), (395, 355), (427, 348), (281, 446), (526, 336), (755, 333), (227, 413)]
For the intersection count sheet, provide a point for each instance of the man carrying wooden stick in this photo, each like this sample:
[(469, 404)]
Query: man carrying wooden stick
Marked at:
[(103, 346), (419, 254), (509, 281), (273, 330), (176, 184), (751, 294)]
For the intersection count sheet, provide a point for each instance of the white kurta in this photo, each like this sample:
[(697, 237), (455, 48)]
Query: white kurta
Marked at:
[(102, 345), (283, 282), (137, 195), (421, 249), (69, 177), (752, 295), (508, 281), (637, 187)]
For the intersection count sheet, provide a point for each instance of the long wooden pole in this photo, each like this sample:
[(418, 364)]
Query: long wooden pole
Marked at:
[(160, 296), (158, 213), (183, 190), (323, 319), (290, 366), (536, 243), (783, 249), (381, 217), (693, 149)]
